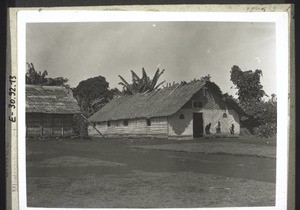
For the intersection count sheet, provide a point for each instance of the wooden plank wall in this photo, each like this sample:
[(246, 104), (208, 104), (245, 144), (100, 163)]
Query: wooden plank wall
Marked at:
[(57, 125), (48, 125), (136, 127), (33, 125), (213, 109)]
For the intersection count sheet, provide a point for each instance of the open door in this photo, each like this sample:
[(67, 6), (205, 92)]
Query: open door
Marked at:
[(197, 125)]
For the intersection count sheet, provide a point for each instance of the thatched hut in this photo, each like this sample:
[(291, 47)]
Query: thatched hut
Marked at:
[(182, 111), (49, 111)]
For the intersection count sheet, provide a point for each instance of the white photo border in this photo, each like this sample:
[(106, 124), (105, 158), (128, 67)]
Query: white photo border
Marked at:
[(282, 64)]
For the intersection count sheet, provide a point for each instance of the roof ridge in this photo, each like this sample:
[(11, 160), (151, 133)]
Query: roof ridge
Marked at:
[(163, 102), (50, 100)]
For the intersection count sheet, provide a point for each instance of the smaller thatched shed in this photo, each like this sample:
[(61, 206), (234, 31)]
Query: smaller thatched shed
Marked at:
[(49, 111)]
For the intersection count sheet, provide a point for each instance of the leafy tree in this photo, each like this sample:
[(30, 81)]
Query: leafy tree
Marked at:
[(247, 83), (268, 118), (260, 114), (143, 84), (58, 81), (93, 93), (37, 78), (34, 77), (101, 101)]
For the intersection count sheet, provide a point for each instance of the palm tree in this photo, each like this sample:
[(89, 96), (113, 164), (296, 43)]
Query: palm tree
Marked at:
[(34, 77), (141, 85), (30, 74)]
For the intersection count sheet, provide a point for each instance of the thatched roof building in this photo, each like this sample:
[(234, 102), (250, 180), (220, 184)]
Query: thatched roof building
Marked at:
[(159, 103), (50, 100), (175, 111), (49, 110)]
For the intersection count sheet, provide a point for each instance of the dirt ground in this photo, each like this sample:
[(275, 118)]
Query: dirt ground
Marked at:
[(228, 148), (151, 173)]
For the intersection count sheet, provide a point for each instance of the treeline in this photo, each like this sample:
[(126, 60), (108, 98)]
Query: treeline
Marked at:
[(260, 115), (92, 94), (39, 78)]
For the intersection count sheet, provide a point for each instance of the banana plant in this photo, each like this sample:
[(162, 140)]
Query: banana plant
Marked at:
[(141, 84)]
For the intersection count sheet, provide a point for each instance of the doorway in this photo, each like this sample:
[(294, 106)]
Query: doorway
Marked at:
[(197, 125)]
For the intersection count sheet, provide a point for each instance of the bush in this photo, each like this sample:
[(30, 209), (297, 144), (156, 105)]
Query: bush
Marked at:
[(245, 132), (267, 130), (80, 126)]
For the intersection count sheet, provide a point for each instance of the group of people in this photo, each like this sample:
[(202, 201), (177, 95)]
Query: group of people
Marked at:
[(218, 128)]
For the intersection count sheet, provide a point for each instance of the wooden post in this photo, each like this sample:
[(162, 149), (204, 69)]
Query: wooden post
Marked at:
[(62, 124), (93, 126), (42, 126), (51, 118), (71, 123), (81, 131), (167, 126)]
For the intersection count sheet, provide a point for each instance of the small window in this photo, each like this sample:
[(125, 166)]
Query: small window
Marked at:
[(197, 104), (181, 117), (148, 122), (125, 122), (224, 115), (108, 123)]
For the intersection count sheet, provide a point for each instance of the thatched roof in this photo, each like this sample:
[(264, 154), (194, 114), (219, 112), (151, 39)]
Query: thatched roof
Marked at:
[(159, 103), (236, 106), (50, 99)]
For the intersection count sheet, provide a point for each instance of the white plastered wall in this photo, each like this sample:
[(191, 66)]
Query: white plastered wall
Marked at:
[(184, 127)]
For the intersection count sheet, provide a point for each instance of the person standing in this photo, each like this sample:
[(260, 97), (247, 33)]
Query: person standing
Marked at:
[(232, 129), (218, 128), (207, 128)]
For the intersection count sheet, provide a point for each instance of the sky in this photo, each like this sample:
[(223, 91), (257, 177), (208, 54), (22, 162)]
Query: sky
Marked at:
[(186, 50)]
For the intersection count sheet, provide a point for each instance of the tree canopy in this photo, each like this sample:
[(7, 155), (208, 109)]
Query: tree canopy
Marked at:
[(247, 83), (93, 93), (260, 114), (141, 84), (35, 77)]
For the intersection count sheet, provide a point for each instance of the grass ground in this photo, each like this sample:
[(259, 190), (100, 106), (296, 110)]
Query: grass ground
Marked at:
[(228, 148), (150, 173)]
